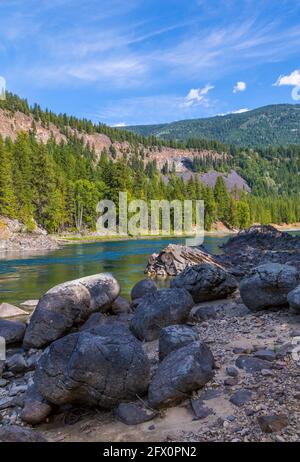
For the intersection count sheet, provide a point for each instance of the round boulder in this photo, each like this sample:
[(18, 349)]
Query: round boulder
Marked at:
[(205, 282), (293, 299), (268, 285), (100, 367), (180, 373), (36, 409), (67, 305), (142, 288), (12, 331), (159, 309), (174, 337)]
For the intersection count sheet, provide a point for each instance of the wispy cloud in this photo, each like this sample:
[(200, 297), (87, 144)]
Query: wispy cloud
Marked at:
[(198, 96)]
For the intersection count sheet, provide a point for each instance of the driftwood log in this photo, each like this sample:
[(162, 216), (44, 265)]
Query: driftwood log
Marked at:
[(175, 258)]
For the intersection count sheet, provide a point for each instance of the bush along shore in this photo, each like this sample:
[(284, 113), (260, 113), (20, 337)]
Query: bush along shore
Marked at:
[(211, 358)]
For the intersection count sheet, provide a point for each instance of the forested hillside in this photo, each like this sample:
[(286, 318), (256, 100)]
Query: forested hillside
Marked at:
[(58, 184), (267, 126)]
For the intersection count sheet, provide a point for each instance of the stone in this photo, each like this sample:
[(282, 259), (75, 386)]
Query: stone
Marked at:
[(180, 373), (273, 423), (102, 367), (67, 305), (10, 311), (251, 364), (29, 304), (268, 285), (232, 371), (205, 282), (120, 306), (16, 364), (142, 288), (160, 309), (241, 397), (266, 354), (293, 299), (200, 411), (134, 413), (16, 434), (173, 337), (12, 331), (96, 319), (203, 313), (36, 408), (231, 381)]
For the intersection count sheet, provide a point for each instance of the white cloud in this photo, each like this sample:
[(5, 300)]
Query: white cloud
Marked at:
[(293, 79), (238, 111), (120, 124), (197, 95), (241, 111), (239, 86)]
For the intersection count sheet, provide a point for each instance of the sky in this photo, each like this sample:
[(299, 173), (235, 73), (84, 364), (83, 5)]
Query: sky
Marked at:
[(151, 61)]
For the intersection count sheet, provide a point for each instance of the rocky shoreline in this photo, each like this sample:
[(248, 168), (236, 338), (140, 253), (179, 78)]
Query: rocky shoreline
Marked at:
[(15, 238), (212, 358)]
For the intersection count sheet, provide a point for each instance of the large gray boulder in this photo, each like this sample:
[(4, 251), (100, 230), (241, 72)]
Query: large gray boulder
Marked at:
[(12, 331), (99, 367), (142, 288), (293, 299), (159, 309), (174, 337), (180, 373), (205, 282), (68, 305), (268, 285)]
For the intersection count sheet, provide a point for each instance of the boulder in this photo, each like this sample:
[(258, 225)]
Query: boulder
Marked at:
[(174, 337), (293, 299), (120, 306), (16, 434), (180, 373), (205, 282), (99, 367), (203, 313), (134, 413), (268, 285), (16, 364), (10, 311), (12, 331), (159, 309), (142, 288), (36, 408), (68, 305)]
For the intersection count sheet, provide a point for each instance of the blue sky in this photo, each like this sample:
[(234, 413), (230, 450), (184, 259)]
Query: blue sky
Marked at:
[(149, 61)]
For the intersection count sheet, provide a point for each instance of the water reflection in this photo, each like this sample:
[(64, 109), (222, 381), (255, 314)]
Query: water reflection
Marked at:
[(25, 277)]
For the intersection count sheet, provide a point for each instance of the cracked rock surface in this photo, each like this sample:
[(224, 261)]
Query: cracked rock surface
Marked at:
[(205, 282), (100, 367)]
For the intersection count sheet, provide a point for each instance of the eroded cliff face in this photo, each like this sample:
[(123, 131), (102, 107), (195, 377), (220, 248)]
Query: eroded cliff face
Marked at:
[(13, 123)]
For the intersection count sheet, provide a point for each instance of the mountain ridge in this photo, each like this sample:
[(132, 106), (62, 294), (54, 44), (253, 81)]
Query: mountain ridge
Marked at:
[(276, 124)]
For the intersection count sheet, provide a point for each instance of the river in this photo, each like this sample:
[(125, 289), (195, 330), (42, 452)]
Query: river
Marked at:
[(24, 276)]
